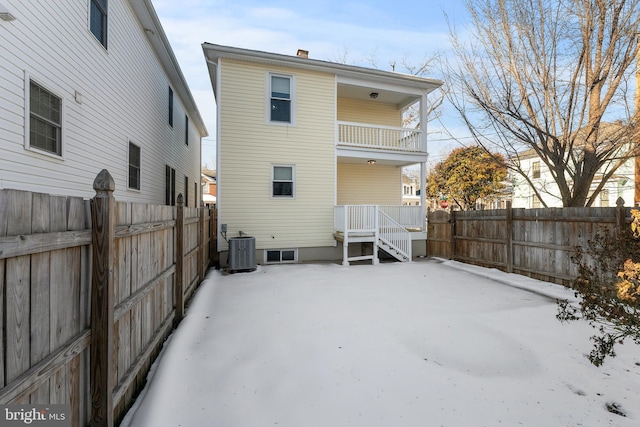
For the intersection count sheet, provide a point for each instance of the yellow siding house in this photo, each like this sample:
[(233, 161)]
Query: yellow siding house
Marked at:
[(310, 157)]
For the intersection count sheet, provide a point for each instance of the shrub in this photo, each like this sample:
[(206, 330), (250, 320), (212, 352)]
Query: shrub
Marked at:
[(608, 287)]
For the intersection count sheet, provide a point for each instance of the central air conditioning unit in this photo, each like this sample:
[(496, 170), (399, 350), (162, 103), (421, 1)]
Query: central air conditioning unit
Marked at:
[(242, 254)]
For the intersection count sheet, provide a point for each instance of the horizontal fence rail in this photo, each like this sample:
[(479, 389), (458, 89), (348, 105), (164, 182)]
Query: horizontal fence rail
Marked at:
[(92, 289), (538, 243), (380, 137)]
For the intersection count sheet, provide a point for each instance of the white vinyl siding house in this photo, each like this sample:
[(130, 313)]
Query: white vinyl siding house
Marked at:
[(307, 148), (111, 94), (622, 184), (254, 146)]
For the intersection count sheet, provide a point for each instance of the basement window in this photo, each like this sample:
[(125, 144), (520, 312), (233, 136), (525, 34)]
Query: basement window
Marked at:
[(280, 256)]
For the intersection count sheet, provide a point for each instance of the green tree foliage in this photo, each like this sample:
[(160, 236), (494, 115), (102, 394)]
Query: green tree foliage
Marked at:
[(468, 174), (608, 288)]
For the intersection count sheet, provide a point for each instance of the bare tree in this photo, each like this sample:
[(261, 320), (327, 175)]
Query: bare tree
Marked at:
[(550, 78)]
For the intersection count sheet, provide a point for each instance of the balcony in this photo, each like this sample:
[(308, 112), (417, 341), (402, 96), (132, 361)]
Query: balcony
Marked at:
[(365, 136)]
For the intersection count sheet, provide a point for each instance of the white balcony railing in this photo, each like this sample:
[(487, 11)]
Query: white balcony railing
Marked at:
[(363, 218), (379, 137)]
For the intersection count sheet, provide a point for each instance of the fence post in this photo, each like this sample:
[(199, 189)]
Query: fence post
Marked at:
[(452, 221), (201, 250), (178, 292), (620, 215), (101, 352), (428, 228), (509, 242)]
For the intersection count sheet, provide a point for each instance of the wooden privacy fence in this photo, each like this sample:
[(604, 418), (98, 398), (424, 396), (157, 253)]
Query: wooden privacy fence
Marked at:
[(538, 243), (90, 290)]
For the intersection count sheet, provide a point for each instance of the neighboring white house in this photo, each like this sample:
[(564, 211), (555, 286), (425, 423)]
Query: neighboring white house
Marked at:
[(621, 184), (87, 85), (310, 154), (208, 182), (410, 190)]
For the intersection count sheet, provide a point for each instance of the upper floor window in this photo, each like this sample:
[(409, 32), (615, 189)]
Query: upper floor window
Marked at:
[(282, 182), (98, 20), (45, 119), (134, 166), (281, 98), (536, 169), (186, 129), (170, 107)]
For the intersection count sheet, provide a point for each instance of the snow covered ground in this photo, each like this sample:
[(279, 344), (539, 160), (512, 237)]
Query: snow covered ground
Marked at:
[(428, 343)]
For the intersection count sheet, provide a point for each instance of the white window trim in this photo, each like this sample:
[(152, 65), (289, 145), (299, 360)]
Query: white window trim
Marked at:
[(295, 256), (267, 102), (137, 190), (27, 116), (293, 176)]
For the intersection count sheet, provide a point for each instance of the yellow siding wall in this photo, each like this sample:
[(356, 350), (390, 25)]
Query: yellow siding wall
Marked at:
[(249, 147), (370, 112), (369, 184)]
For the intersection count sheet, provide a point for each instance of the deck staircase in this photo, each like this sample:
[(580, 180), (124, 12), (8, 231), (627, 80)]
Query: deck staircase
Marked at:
[(365, 223)]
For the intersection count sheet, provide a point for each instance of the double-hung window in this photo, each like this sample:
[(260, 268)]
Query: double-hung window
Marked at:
[(170, 116), (45, 119), (186, 129), (169, 185), (280, 99), (134, 166), (282, 181), (536, 169), (98, 20)]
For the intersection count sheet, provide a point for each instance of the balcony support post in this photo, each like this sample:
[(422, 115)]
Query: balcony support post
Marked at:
[(423, 195), (423, 123)]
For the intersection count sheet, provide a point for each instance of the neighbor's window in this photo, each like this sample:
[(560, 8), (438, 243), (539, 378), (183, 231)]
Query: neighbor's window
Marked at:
[(169, 185), (98, 20), (536, 169), (604, 198), (535, 202), (170, 107), (282, 181), (45, 119), (281, 98), (186, 129), (195, 194), (134, 166), (186, 191)]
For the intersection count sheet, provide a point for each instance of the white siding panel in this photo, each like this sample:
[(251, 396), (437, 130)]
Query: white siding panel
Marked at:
[(124, 97), (370, 112), (369, 184), (250, 147)]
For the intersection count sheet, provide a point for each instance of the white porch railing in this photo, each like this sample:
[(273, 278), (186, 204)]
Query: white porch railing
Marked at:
[(394, 237), (380, 137), (410, 217), (385, 226), (362, 218)]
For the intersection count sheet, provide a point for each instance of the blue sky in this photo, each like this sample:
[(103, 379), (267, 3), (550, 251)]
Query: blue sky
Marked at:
[(356, 32)]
